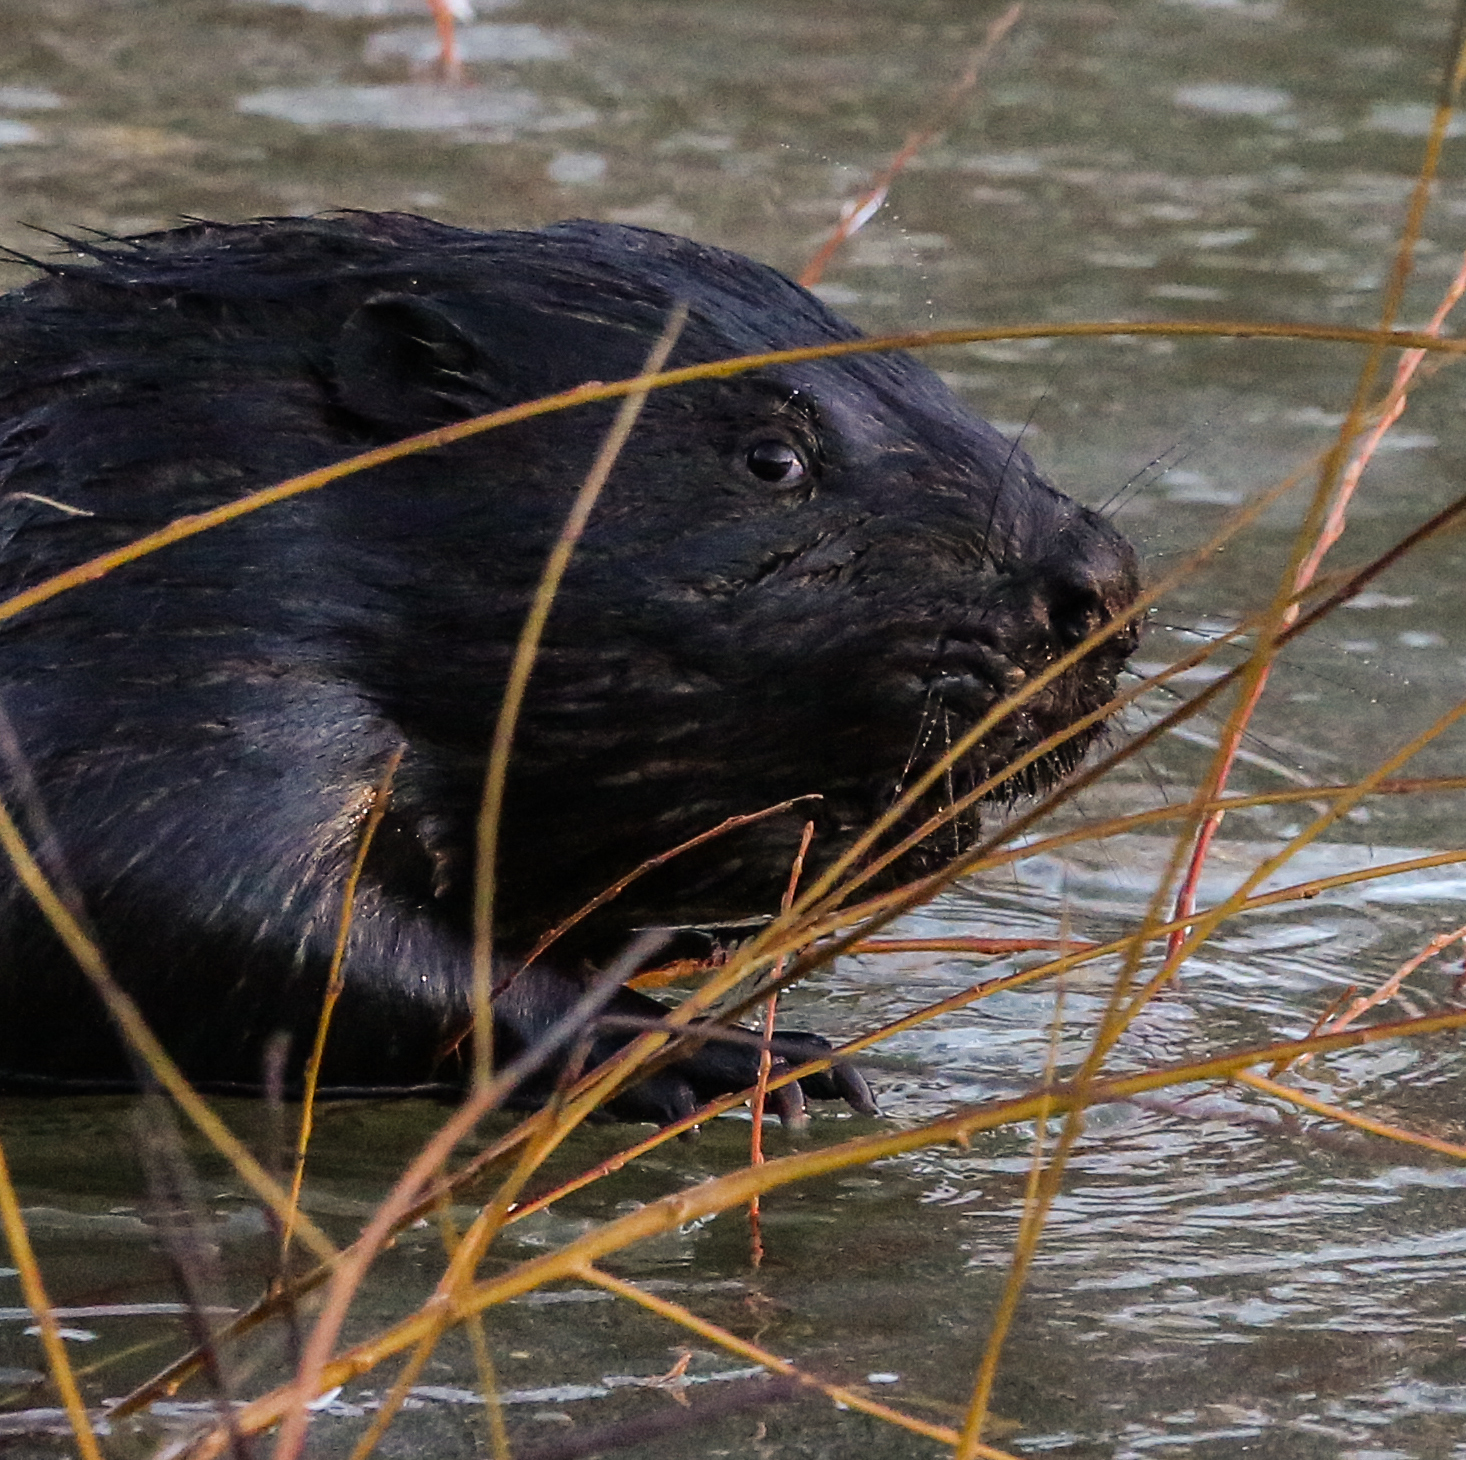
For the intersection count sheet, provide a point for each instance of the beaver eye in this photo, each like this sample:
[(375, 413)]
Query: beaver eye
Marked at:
[(777, 461)]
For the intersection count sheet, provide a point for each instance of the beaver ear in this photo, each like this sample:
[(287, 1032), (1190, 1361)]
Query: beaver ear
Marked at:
[(406, 362)]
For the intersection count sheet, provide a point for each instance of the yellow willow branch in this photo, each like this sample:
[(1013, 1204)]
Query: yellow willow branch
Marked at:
[(33, 1289), (1350, 1117)]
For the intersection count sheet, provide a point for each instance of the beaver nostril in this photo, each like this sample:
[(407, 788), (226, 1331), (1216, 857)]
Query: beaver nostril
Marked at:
[(1088, 586), (1075, 612)]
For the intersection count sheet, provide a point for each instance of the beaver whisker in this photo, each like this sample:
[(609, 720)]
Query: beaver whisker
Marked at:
[(931, 708)]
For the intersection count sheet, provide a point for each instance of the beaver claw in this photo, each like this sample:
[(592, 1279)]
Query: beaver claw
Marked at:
[(722, 1066)]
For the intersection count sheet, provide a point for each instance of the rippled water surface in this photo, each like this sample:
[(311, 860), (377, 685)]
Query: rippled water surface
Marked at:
[(1221, 1274)]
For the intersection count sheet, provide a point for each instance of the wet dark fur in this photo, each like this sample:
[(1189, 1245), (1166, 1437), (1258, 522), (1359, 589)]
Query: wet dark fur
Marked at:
[(205, 726)]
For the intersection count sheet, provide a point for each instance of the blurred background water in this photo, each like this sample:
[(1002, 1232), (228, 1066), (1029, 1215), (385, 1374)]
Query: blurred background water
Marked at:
[(1221, 1276)]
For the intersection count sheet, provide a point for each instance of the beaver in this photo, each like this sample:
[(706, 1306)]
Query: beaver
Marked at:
[(801, 581)]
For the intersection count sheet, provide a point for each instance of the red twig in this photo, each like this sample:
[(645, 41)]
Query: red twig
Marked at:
[(1329, 534)]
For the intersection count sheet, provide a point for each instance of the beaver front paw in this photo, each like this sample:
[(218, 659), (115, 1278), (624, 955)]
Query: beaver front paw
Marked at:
[(724, 1060)]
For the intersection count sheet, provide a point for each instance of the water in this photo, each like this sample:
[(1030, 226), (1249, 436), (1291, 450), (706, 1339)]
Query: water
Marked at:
[(1220, 1275)]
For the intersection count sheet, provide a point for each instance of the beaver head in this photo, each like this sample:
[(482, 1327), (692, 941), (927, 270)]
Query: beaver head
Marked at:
[(804, 579), (800, 581)]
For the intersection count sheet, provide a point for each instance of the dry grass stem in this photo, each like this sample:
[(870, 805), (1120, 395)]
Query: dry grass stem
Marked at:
[(525, 651), (335, 982), (33, 1288), (141, 1041)]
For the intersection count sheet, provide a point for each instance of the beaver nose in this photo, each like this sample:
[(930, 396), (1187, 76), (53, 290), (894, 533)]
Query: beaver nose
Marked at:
[(1088, 580)]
